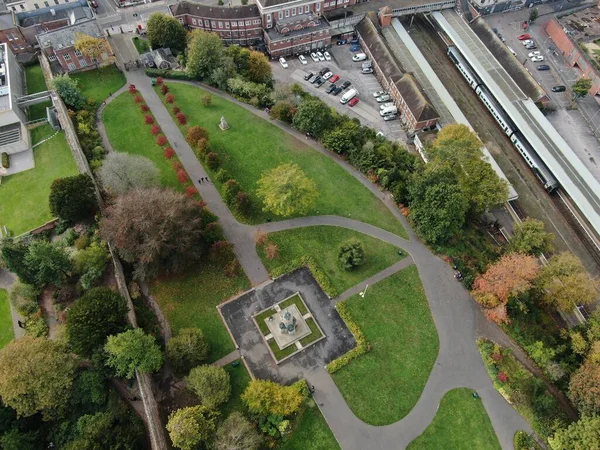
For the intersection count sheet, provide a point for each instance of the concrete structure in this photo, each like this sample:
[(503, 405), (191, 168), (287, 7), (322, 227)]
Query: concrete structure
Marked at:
[(31, 5), (574, 36)]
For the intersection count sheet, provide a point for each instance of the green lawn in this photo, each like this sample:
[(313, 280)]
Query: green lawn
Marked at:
[(6, 327), (98, 84), (190, 301), (461, 422), (383, 385), (36, 83), (322, 243), (253, 145), (239, 378), (311, 433), (24, 196), (141, 45), (127, 132)]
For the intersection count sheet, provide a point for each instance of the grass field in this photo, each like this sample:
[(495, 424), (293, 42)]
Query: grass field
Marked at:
[(141, 45), (253, 145), (322, 243), (190, 300), (98, 84), (6, 326), (127, 132), (311, 433), (461, 423), (24, 196), (36, 83), (383, 385), (239, 378)]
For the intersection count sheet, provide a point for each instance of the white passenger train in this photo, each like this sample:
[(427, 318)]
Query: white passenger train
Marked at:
[(518, 140)]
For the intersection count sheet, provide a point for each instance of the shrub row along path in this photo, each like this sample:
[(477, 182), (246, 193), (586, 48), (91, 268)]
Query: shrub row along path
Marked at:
[(455, 314)]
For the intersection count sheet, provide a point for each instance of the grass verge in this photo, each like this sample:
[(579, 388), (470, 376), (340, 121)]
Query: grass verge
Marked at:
[(6, 327), (383, 385), (141, 45), (461, 422), (36, 83), (99, 84), (253, 145), (239, 378), (310, 433), (294, 300), (24, 195), (281, 353)]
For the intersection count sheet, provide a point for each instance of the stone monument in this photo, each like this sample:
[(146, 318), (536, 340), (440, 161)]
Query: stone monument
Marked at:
[(223, 125)]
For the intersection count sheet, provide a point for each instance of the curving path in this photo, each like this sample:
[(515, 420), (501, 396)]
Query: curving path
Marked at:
[(455, 315)]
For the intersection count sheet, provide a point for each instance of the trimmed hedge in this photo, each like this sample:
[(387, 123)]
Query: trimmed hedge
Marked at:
[(171, 74), (307, 261), (5, 160), (362, 346)]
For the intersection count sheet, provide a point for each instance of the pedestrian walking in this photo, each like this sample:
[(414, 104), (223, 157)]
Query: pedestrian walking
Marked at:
[(200, 180)]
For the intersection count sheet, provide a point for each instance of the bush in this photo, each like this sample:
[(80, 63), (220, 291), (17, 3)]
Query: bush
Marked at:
[(362, 346), (176, 109), (243, 203), (187, 350), (36, 326), (169, 153), (82, 242), (144, 108), (230, 191), (351, 254), (159, 81), (190, 191), (182, 176), (203, 147), (271, 250), (155, 129), (5, 160), (161, 140), (210, 384), (206, 99), (164, 89), (169, 98), (194, 134), (138, 99), (148, 119), (24, 298), (222, 175), (212, 161), (181, 118), (172, 74)]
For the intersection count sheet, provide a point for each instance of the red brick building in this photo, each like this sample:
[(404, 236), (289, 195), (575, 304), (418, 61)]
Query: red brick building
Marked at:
[(11, 35)]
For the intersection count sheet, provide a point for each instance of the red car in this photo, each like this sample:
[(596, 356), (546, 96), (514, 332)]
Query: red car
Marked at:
[(353, 102), (334, 78), (524, 36)]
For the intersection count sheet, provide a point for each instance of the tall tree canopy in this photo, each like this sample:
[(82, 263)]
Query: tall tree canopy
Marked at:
[(13, 254), (584, 387), (73, 198), (68, 91), (36, 375), (531, 238), (165, 31), (188, 427), (237, 433), (286, 190), (210, 384), (187, 350), (581, 435), (266, 397), (93, 47), (122, 172), (132, 351), (48, 263), (581, 87), (314, 117), (204, 54), (259, 68), (159, 230)]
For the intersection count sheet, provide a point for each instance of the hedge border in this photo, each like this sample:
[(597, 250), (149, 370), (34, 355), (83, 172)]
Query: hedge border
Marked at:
[(169, 74), (317, 272), (362, 346)]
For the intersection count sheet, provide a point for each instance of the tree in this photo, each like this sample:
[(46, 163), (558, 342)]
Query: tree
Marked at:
[(48, 263), (223, 72), (13, 254), (456, 141), (194, 134), (132, 351), (351, 254), (237, 433), (68, 91), (266, 397), (314, 117), (437, 205), (122, 172), (98, 49), (73, 198), (584, 388), (188, 427), (187, 350), (343, 139), (100, 313), (240, 56), (581, 435), (581, 87), (533, 15), (91, 262), (530, 238), (159, 230), (565, 282), (284, 111), (259, 68), (210, 384), (165, 31), (286, 190), (36, 375), (204, 53), (24, 298), (17, 440)]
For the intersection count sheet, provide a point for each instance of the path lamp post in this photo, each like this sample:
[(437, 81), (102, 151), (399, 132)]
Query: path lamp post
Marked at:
[(362, 294)]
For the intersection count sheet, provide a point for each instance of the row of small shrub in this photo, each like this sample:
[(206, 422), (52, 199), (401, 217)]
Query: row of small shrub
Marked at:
[(309, 262), (362, 346), (171, 74), (5, 160)]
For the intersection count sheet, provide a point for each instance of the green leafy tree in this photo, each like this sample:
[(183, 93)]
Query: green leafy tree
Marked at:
[(240, 56), (210, 384), (284, 111), (351, 254), (530, 238), (73, 198), (13, 254), (18, 440), (266, 397), (165, 31), (132, 351), (584, 387), (533, 15), (259, 68), (343, 139), (100, 313), (221, 74), (189, 427), (187, 350), (36, 375), (314, 117), (286, 190), (237, 433), (24, 298), (48, 262), (204, 53), (67, 88), (581, 87), (122, 172), (437, 207), (581, 435)]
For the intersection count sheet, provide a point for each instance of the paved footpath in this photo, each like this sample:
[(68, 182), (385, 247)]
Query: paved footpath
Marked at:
[(7, 279), (455, 314)]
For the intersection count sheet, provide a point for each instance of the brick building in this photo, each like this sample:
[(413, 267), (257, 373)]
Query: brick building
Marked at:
[(11, 35)]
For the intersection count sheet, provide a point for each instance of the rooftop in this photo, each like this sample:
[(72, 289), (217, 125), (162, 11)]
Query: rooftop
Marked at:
[(583, 25), (214, 12), (5, 102), (65, 37), (80, 11), (320, 25), (397, 7), (6, 20)]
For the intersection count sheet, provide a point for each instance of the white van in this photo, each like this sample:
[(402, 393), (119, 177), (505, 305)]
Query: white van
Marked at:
[(348, 96), (359, 57), (388, 110)]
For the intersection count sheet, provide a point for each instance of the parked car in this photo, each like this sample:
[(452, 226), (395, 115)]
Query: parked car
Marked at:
[(537, 59), (308, 76), (320, 83), (331, 88), (323, 71), (327, 56), (355, 48), (359, 57), (559, 88), (327, 76), (314, 57), (531, 47), (524, 36), (495, 30), (383, 98), (353, 102), (390, 117), (527, 42), (367, 70), (334, 78), (320, 56), (283, 62), (532, 54), (337, 91), (342, 42), (315, 79), (367, 63), (386, 105), (354, 41), (302, 60), (543, 67), (346, 85), (379, 93)]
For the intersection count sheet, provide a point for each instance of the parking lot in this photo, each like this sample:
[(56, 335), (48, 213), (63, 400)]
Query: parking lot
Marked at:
[(367, 110)]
